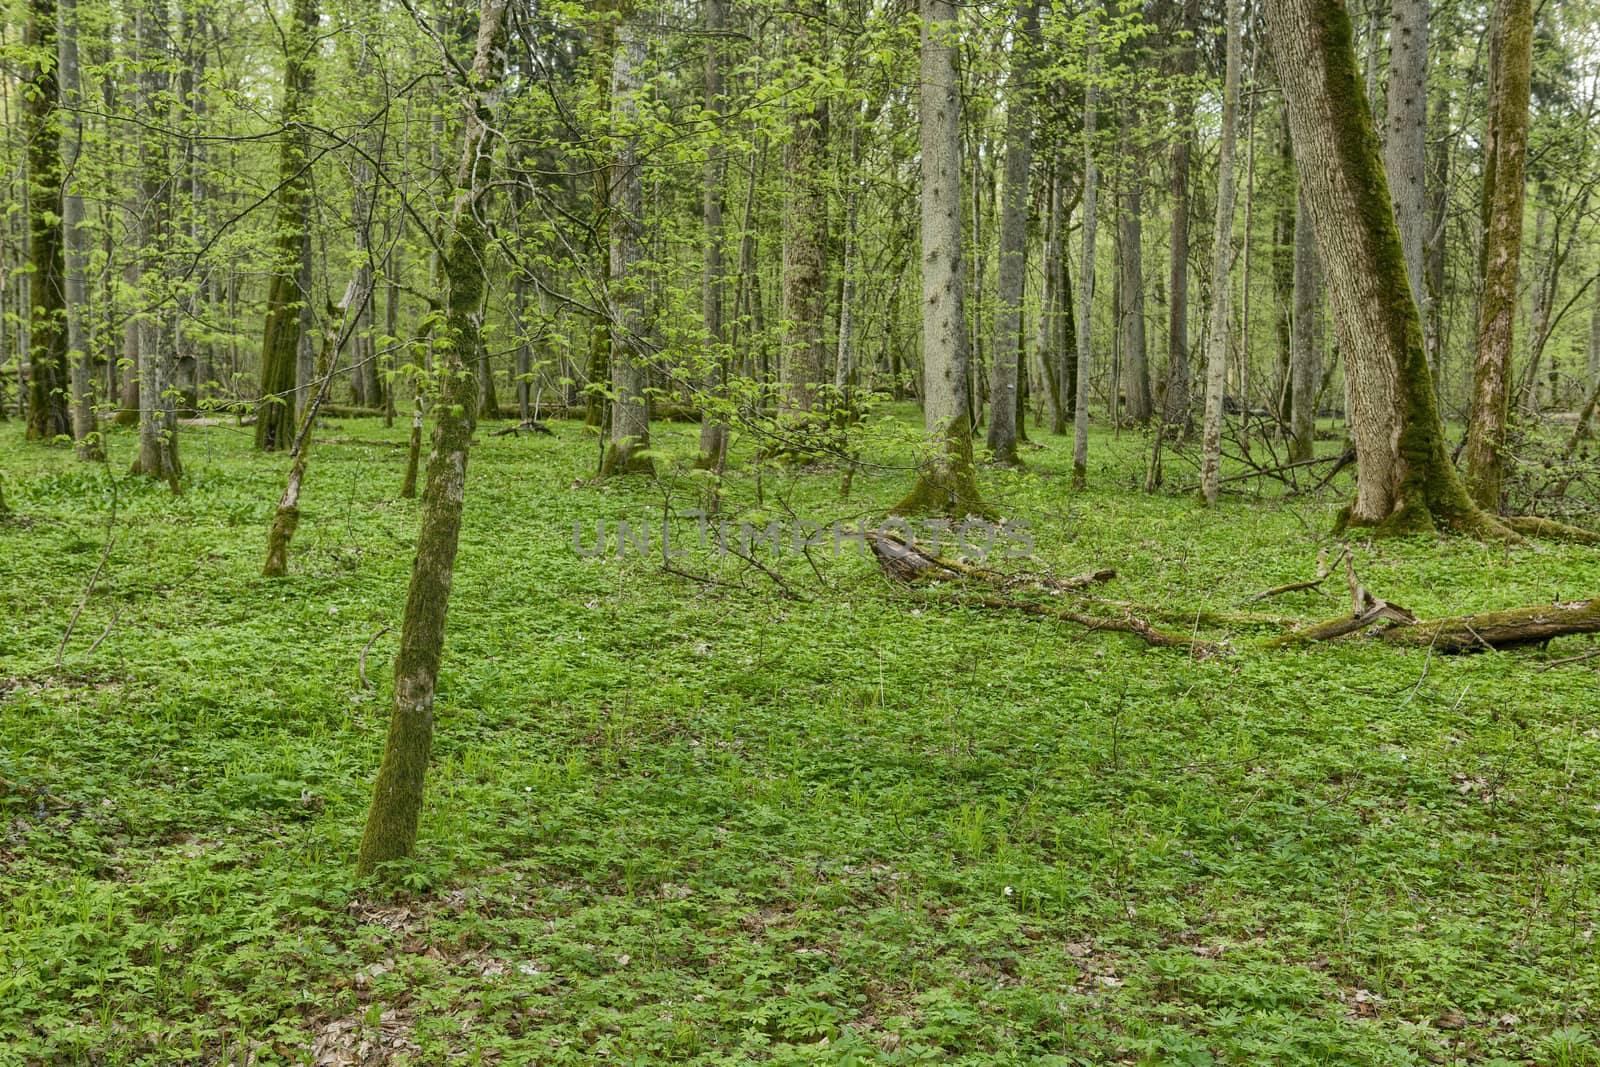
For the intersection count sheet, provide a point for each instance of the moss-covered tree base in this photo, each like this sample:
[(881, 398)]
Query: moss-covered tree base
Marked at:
[(284, 524), (944, 490), (624, 457)]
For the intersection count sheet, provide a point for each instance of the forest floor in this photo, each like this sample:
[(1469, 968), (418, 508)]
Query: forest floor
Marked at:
[(724, 821)]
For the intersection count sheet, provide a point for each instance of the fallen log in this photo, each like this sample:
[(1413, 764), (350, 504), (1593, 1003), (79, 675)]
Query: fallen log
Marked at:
[(1371, 615)]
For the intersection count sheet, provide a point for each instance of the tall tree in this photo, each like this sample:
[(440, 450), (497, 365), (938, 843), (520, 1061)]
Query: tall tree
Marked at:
[(630, 407), (1304, 373), (713, 423), (947, 482), (805, 230), (1013, 241), (1176, 405), (47, 351), (1405, 480), (1217, 331), (391, 829), (158, 416), (1085, 315), (1405, 135), (1502, 251), (1136, 370), (76, 239), (280, 344)]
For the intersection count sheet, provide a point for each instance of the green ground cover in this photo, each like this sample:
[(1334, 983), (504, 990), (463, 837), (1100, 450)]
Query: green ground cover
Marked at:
[(678, 820)]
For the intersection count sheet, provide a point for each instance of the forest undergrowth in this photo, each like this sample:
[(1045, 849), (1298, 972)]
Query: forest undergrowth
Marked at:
[(710, 811)]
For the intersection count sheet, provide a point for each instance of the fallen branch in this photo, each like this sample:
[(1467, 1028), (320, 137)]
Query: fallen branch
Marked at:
[(530, 425), (1125, 623), (361, 664)]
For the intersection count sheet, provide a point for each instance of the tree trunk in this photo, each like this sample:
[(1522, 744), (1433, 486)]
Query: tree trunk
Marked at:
[(1405, 480), (805, 231), (1012, 282), (1136, 377), (1221, 264), (1046, 347), (714, 426), (48, 344), (1176, 406), (1091, 181), (85, 430), (1304, 373), (946, 483), (1497, 312), (158, 417), (1406, 130), (280, 345), (391, 829), (630, 410)]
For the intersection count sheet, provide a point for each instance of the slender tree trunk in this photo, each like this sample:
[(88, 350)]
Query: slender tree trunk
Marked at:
[(947, 483), (1304, 373), (1177, 410), (1046, 347), (1013, 242), (1221, 281), (391, 829), (85, 430), (342, 321), (713, 423), (1486, 422), (630, 410), (1592, 367), (158, 417), (805, 231), (1405, 481), (280, 346), (1134, 353), (48, 416), (1085, 309)]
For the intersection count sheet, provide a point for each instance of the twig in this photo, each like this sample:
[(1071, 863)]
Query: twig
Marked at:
[(115, 615), (111, 539), (361, 666), (1571, 659)]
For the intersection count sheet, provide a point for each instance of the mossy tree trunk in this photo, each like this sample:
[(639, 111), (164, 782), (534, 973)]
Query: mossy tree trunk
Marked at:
[(1012, 281), (48, 416), (1405, 481), (1047, 346), (391, 829), (805, 230), (630, 408), (1135, 356), (280, 345), (1219, 327), (947, 483), (1502, 252)]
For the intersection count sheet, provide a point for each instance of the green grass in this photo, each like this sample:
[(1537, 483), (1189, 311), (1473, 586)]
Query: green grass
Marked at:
[(670, 820)]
